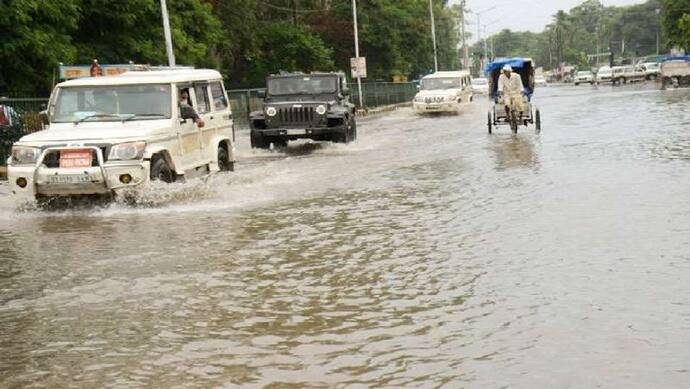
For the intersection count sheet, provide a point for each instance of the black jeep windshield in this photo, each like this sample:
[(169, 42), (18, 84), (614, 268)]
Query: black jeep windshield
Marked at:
[(111, 103), (304, 85)]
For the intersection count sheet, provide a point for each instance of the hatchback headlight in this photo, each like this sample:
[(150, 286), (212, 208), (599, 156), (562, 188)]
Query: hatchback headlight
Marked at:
[(23, 155), (271, 111), (127, 151), (418, 99)]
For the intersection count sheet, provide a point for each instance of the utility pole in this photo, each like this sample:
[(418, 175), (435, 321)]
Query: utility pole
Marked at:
[(168, 36), (658, 11), (359, 79), (465, 49), (433, 33)]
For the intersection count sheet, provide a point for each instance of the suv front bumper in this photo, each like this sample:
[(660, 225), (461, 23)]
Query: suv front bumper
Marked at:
[(107, 178)]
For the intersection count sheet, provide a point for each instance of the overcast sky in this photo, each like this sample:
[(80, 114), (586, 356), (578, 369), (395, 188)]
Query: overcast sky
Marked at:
[(522, 15)]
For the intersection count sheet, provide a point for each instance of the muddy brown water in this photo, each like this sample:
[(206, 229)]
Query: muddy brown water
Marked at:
[(426, 254)]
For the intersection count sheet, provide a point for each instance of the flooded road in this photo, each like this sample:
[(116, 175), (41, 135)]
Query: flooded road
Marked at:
[(426, 254)]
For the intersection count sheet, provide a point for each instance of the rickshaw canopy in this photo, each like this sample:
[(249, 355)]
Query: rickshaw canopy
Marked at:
[(522, 66)]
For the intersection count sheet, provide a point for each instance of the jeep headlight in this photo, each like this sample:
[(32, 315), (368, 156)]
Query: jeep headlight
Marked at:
[(23, 155), (321, 109), (271, 111), (127, 151)]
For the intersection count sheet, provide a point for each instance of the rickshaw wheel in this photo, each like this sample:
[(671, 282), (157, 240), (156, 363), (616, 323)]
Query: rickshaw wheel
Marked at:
[(489, 122), (537, 120)]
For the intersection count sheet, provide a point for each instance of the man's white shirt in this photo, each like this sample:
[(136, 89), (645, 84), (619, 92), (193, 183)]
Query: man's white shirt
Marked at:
[(510, 86)]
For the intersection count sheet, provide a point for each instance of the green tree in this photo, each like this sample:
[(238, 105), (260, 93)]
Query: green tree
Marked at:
[(36, 37), (675, 15)]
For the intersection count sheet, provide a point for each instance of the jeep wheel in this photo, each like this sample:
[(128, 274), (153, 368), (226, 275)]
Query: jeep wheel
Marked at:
[(224, 164), (257, 141), (160, 171)]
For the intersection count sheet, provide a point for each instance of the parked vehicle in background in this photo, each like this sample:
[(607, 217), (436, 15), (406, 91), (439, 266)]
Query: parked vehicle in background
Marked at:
[(584, 77), (540, 81), (604, 75), (480, 86), (675, 72), (304, 106), (114, 133), (652, 70), (625, 74), (444, 92), (8, 116)]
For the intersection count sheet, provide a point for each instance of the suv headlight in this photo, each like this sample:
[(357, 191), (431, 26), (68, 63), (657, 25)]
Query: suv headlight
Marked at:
[(271, 111), (23, 155), (127, 151), (321, 109)]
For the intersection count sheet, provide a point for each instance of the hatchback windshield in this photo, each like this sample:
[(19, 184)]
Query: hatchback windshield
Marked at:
[(308, 85), (440, 83), (112, 103)]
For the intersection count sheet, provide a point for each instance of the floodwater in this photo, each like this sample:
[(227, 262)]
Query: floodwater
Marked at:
[(426, 254)]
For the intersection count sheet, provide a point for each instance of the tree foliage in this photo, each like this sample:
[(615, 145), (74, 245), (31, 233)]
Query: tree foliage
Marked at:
[(590, 28), (675, 16), (244, 39)]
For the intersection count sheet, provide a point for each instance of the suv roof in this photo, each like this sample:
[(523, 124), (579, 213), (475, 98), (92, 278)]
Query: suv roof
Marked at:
[(300, 74), (460, 73), (147, 77)]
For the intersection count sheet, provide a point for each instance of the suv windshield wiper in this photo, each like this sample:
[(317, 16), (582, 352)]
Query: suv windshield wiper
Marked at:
[(143, 115), (96, 115)]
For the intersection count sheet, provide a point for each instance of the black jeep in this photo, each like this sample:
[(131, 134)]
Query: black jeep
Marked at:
[(304, 106)]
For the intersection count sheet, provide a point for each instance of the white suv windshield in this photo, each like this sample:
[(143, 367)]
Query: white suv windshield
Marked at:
[(440, 83), (112, 103)]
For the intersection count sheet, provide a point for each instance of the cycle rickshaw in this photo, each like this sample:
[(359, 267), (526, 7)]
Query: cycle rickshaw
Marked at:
[(497, 114)]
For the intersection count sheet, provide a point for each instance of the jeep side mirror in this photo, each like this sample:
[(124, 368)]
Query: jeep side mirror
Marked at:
[(346, 91), (45, 118), (262, 93), (187, 112)]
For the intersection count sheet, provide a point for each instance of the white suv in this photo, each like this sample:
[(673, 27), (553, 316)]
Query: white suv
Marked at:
[(111, 133)]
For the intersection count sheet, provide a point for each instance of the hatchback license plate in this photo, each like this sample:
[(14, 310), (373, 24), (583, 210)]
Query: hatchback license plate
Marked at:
[(75, 158)]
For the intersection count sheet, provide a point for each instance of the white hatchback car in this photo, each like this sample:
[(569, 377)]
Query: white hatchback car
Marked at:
[(111, 133)]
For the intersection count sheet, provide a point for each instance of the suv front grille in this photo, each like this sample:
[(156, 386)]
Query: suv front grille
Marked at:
[(296, 114), (52, 158)]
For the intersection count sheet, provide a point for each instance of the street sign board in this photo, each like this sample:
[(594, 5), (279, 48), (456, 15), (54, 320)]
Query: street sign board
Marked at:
[(359, 67)]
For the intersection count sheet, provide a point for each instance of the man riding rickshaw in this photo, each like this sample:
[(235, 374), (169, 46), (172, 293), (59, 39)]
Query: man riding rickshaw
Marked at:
[(511, 86)]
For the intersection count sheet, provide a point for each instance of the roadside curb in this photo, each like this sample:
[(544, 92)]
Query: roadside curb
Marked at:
[(380, 110)]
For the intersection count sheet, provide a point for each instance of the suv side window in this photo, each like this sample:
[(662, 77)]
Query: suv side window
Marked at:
[(202, 100), (218, 95)]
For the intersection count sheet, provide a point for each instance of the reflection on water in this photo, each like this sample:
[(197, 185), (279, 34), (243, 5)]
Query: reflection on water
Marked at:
[(426, 254), (514, 151)]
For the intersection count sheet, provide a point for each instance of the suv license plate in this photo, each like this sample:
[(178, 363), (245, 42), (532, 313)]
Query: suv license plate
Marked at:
[(69, 179)]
